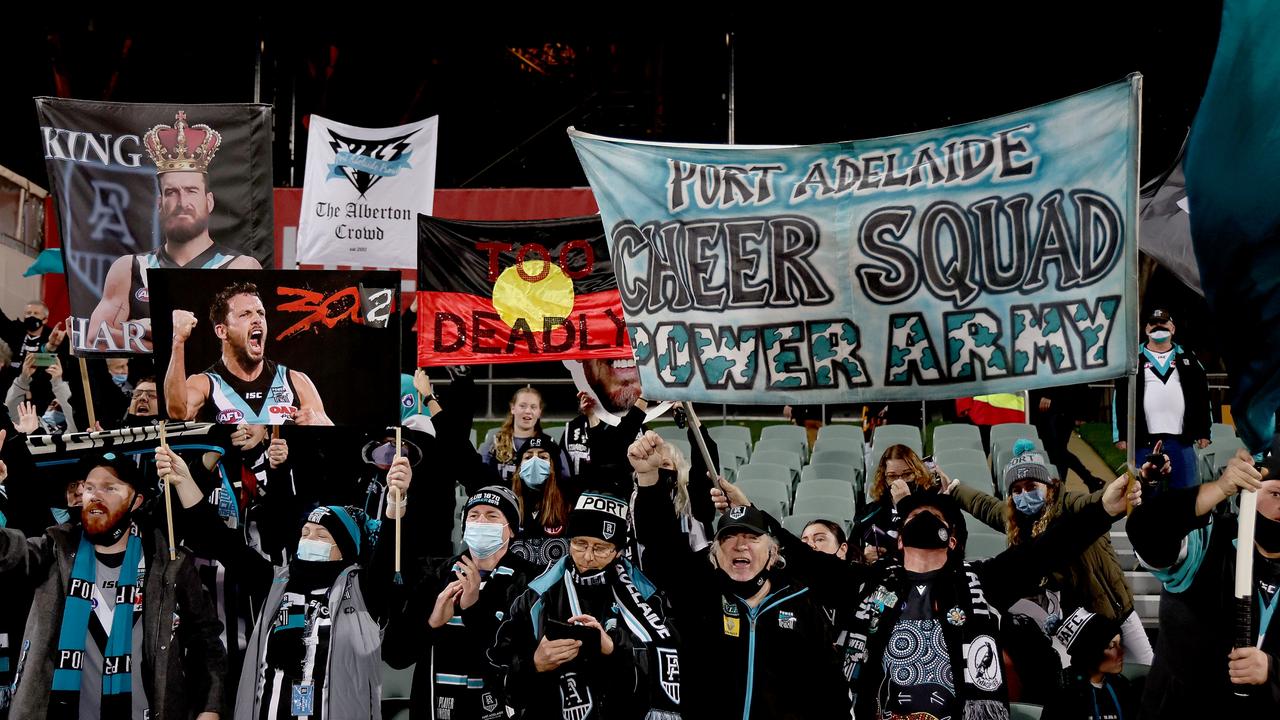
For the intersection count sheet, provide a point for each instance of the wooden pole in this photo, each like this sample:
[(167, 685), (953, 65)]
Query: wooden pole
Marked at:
[(400, 511), (702, 444), (88, 396), (168, 495)]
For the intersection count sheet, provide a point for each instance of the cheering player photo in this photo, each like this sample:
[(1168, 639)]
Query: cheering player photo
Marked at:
[(242, 385)]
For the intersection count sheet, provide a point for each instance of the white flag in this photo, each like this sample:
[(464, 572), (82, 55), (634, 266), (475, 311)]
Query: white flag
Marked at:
[(362, 193)]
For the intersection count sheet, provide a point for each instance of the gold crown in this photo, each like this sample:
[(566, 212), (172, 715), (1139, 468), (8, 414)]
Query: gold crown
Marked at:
[(182, 147)]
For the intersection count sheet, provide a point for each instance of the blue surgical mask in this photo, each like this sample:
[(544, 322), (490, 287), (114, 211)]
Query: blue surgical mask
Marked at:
[(120, 380), (62, 515), (1160, 336), (314, 550), (534, 472), (483, 539), (54, 418), (1029, 503)]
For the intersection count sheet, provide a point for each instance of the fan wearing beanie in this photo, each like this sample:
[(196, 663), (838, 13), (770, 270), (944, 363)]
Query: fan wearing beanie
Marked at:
[(589, 639), (1094, 687), (452, 610), (927, 629), (315, 649), (1036, 500)]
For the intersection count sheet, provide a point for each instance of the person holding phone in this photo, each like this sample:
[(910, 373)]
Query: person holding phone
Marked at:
[(53, 417), (589, 638)]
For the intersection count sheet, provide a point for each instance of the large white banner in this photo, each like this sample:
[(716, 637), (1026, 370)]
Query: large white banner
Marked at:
[(363, 191), (990, 257)]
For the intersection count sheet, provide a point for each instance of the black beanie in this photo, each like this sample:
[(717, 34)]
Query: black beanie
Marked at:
[(345, 524), (599, 516), (1086, 635), (499, 497)]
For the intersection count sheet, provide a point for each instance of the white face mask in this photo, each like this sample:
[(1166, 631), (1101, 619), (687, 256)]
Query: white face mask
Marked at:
[(1160, 336), (314, 550)]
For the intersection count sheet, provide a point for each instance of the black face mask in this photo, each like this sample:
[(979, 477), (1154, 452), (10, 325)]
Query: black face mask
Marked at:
[(1266, 532), (32, 324), (743, 588), (926, 532)]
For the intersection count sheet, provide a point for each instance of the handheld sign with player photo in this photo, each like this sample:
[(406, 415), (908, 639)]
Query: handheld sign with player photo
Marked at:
[(275, 347)]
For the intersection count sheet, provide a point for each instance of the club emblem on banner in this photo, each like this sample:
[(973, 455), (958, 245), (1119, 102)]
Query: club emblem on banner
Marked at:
[(364, 162)]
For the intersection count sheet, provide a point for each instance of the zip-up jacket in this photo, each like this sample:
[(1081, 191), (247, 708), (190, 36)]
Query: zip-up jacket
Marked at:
[(775, 660), (184, 663)]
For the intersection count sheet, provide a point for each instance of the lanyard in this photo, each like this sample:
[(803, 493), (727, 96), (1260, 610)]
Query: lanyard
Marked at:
[(1268, 609), (1094, 695)]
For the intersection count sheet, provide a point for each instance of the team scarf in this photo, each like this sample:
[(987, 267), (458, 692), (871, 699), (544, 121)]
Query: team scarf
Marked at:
[(641, 614), (117, 675), (969, 628)]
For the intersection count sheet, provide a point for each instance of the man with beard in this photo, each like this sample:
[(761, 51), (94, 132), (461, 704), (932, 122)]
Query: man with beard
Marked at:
[(117, 628), (181, 154), (616, 383), (242, 385)]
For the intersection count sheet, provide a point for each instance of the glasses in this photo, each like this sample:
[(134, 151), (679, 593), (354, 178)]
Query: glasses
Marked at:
[(893, 477), (582, 547)]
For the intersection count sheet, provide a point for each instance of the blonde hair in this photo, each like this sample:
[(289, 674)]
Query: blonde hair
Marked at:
[(504, 446), (681, 500), (1052, 509), (900, 452)]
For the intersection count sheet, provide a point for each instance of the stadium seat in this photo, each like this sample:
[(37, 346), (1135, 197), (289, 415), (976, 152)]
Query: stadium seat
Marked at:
[(956, 436), (671, 432), (908, 435), (765, 471), (1221, 431), (848, 458), (737, 432), (981, 546), (796, 435), (795, 523), (776, 444), (841, 433), (396, 684), (824, 488), (828, 471), (770, 495), (788, 460), (1013, 431), (1025, 711), (835, 509)]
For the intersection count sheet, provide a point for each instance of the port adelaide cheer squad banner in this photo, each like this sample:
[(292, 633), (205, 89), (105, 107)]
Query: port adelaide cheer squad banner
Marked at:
[(990, 257)]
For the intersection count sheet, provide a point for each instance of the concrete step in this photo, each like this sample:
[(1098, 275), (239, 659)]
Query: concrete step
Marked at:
[(1120, 541), (1142, 583), (1147, 606)]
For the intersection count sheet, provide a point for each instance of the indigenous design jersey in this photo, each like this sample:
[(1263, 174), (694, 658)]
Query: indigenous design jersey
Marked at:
[(216, 256), (270, 399)]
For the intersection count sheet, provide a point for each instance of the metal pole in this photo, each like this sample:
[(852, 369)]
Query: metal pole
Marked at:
[(1026, 406), (293, 125), (257, 70), (728, 41)]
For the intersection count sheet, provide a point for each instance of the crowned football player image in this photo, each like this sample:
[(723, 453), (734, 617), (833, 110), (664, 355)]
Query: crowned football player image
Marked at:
[(182, 154), (242, 385)]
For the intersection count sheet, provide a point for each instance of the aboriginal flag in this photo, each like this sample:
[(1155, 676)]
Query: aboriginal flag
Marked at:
[(498, 292)]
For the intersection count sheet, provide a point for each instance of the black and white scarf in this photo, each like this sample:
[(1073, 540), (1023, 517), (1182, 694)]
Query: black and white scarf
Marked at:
[(642, 615), (970, 628)]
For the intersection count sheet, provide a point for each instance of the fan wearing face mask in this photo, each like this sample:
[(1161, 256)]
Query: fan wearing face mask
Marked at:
[(543, 500), (589, 639), (1188, 537), (756, 642), (1036, 501), (1172, 401), (315, 648), (453, 610), (928, 626)]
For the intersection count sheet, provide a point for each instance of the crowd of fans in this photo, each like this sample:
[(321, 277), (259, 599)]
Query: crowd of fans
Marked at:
[(604, 574)]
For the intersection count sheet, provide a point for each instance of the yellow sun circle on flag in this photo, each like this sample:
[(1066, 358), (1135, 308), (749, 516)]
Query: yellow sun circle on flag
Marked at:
[(533, 299)]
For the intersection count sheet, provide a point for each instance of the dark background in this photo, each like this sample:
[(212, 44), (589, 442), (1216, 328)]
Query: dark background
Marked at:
[(353, 366), (506, 87)]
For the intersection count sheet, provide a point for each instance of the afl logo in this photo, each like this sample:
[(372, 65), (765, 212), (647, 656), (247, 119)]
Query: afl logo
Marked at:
[(228, 417), (141, 295)]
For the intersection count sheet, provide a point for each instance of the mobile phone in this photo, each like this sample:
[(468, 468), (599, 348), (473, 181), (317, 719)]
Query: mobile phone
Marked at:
[(932, 466), (44, 359), (589, 636)]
